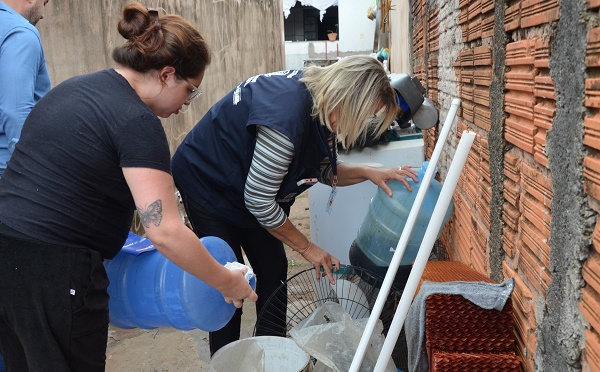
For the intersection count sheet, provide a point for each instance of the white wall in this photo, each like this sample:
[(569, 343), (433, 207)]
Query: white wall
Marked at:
[(356, 30), (356, 36)]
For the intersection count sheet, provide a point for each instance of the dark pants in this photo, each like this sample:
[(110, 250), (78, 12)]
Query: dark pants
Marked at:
[(53, 306), (269, 263)]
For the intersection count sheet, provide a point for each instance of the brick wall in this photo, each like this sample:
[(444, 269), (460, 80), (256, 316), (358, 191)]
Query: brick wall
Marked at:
[(590, 300), (526, 202)]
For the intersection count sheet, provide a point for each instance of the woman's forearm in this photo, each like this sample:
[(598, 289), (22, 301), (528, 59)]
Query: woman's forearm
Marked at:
[(350, 174), (291, 236)]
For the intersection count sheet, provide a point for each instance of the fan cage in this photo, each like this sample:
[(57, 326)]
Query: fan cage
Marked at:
[(356, 290)]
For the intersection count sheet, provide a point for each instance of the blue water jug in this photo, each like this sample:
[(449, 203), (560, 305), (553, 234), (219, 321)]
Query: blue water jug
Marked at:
[(149, 291), (379, 233)]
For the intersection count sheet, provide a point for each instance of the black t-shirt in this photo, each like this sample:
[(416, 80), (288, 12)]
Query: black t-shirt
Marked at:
[(64, 183)]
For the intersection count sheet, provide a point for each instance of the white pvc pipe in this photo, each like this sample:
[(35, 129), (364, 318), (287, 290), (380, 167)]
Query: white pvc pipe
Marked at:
[(437, 219), (404, 237)]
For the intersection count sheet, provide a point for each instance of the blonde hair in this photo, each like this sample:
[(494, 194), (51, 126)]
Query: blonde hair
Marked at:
[(356, 86)]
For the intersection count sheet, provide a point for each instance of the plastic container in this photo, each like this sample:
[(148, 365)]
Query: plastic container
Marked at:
[(380, 231), (261, 353), (149, 291)]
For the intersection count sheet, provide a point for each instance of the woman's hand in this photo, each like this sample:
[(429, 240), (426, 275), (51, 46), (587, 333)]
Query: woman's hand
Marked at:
[(239, 289), (319, 258), (380, 177)]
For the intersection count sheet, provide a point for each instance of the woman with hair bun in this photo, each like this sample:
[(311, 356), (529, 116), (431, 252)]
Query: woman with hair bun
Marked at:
[(92, 151)]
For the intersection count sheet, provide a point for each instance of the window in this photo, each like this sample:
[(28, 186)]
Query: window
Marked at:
[(303, 23)]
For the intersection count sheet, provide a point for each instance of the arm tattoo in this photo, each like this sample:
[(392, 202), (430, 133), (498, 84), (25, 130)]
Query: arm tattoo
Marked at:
[(152, 214)]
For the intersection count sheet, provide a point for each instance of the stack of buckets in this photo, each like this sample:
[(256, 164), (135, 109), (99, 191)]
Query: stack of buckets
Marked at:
[(262, 353)]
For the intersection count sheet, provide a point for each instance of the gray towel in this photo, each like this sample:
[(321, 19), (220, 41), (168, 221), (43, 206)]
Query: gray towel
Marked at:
[(485, 295)]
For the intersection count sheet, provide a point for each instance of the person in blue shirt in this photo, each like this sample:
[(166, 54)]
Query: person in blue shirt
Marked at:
[(23, 74), (24, 77), (241, 167)]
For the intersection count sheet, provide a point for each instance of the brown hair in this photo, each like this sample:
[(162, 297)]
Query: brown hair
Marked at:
[(154, 42)]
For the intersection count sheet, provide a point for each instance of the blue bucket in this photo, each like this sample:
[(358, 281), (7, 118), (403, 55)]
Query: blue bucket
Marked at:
[(149, 291)]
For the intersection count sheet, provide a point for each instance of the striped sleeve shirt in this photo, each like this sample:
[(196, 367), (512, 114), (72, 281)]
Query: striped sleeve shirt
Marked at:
[(272, 157)]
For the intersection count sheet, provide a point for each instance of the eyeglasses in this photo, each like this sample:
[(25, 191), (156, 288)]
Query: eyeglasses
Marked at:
[(195, 93)]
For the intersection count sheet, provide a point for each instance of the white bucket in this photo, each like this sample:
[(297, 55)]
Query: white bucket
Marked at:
[(261, 354)]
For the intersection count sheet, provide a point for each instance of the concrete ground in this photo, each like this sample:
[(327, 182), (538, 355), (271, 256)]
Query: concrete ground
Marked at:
[(168, 349)]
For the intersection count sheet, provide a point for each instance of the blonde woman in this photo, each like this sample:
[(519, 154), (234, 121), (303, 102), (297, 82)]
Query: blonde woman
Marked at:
[(268, 140)]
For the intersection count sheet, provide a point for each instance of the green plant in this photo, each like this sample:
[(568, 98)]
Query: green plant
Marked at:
[(333, 32), (293, 263)]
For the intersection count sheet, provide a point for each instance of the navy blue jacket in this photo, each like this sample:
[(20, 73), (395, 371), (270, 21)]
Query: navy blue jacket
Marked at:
[(212, 163)]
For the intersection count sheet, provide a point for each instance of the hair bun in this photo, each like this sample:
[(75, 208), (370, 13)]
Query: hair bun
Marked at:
[(154, 42), (135, 21)]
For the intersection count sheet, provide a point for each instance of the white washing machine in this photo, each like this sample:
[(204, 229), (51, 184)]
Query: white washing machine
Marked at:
[(335, 231)]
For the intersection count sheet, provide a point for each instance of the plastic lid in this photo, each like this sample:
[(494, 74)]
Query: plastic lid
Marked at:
[(427, 115)]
